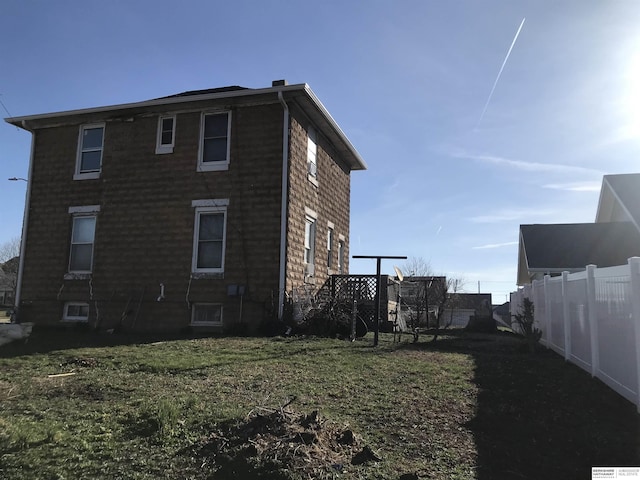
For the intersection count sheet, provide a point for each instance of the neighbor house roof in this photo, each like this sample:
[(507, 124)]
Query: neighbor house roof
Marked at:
[(620, 199), (299, 95), (571, 247)]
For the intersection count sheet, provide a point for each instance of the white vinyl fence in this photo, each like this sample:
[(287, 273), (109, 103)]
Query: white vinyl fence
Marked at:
[(592, 318)]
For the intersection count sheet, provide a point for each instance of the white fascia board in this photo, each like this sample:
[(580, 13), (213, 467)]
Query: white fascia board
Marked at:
[(21, 122), (335, 126), (604, 200), (18, 121)]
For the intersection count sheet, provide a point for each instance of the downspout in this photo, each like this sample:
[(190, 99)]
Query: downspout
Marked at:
[(283, 207), (25, 221)]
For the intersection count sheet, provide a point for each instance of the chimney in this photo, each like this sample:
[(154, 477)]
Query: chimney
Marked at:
[(279, 83)]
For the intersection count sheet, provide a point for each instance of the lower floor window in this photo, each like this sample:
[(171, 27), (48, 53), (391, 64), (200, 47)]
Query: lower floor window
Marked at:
[(206, 314), (76, 312)]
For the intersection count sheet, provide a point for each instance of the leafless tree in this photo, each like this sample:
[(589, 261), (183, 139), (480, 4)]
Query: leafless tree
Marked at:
[(455, 287), (446, 297), (9, 249), (9, 252), (417, 267), (415, 293)]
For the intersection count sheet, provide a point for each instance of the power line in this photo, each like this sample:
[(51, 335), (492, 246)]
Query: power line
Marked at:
[(5, 107)]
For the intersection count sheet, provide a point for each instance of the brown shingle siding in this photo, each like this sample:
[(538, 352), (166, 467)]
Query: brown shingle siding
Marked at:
[(145, 226)]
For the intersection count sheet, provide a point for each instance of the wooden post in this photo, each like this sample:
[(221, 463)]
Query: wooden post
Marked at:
[(376, 320)]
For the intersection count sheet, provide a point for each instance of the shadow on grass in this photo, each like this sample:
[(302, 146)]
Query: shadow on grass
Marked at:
[(539, 416), (45, 340)]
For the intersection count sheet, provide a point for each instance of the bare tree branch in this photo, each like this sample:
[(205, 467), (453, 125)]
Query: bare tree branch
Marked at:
[(9, 249)]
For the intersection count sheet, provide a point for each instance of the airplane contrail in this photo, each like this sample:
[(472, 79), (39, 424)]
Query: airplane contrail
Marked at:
[(486, 105)]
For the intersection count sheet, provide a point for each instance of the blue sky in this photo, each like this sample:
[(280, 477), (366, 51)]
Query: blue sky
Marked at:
[(406, 80)]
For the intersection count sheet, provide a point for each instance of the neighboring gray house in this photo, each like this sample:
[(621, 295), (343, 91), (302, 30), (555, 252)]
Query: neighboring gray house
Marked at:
[(550, 249), (8, 274)]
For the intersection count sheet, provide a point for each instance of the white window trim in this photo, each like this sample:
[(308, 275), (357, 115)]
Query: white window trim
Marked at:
[(78, 175), (213, 208), (87, 209), (207, 324), (311, 245), (219, 202), (331, 234), (93, 244), (72, 318), (341, 262), (312, 152), (165, 148), (214, 166)]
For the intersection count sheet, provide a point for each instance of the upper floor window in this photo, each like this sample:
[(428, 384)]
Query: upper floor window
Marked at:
[(166, 134), (90, 147), (209, 238), (312, 150), (82, 240), (214, 141)]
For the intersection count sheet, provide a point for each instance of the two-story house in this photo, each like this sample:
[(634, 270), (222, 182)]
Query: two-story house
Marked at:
[(201, 209)]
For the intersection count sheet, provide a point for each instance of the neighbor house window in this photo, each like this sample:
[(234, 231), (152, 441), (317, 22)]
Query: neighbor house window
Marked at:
[(330, 246), (90, 147), (75, 312), (166, 134), (209, 236), (312, 150), (214, 141), (206, 314), (82, 242), (341, 268)]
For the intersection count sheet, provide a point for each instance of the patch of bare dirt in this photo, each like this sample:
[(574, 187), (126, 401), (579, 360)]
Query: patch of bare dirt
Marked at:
[(279, 443)]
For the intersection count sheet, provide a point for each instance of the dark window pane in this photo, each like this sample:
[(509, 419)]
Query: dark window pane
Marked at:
[(211, 227), (210, 254), (167, 124), (215, 150), (207, 314), (92, 138), (90, 161), (83, 229), (81, 258), (78, 310), (215, 125), (167, 138)]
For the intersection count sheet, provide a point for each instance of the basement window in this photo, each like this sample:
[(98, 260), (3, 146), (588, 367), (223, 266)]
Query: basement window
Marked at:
[(75, 312), (206, 314)]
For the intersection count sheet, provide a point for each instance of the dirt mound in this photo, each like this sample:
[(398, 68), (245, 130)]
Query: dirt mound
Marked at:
[(278, 443)]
